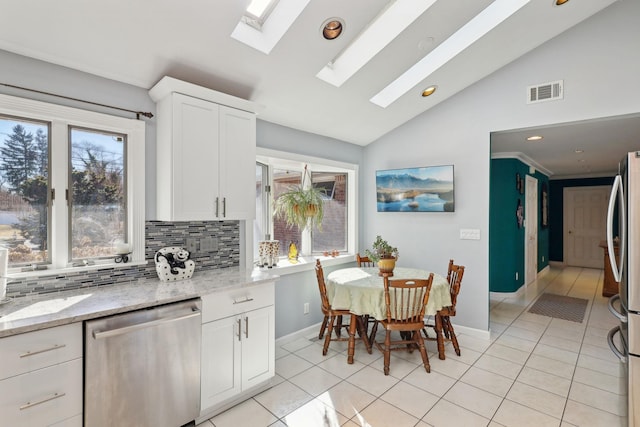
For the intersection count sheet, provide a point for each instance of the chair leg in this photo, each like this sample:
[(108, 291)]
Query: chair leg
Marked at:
[(374, 331), (362, 331), (327, 338), (338, 327), (423, 350), (439, 337), (323, 327), (387, 351), (454, 340)]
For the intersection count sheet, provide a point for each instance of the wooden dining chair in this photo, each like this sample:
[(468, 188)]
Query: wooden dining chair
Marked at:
[(364, 261), (331, 316), (442, 320), (405, 301)]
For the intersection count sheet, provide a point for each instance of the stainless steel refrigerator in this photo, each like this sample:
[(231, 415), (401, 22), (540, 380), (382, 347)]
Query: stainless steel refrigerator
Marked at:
[(625, 198)]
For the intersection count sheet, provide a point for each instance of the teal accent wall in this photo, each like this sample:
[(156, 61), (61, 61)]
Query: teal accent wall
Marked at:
[(556, 218), (506, 239)]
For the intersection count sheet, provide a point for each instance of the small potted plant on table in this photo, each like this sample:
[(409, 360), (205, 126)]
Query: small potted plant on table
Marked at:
[(384, 255)]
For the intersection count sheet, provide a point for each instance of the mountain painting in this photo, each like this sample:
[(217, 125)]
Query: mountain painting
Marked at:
[(426, 189)]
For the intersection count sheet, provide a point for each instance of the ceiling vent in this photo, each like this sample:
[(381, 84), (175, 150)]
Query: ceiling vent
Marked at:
[(545, 92)]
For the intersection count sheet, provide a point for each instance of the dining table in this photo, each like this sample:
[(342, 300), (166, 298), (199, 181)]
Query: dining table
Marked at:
[(361, 291)]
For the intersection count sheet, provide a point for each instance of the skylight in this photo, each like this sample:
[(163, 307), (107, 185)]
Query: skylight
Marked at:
[(258, 11), (394, 19), (472, 31), (264, 35)]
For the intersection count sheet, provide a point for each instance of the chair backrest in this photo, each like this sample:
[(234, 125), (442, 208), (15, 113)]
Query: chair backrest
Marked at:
[(454, 277), (322, 287), (364, 261), (406, 299)]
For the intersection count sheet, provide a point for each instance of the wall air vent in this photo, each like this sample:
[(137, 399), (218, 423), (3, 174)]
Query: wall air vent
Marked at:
[(545, 92)]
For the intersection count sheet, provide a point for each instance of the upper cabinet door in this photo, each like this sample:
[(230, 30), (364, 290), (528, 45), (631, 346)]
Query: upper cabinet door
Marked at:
[(206, 156), (194, 159), (237, 164)]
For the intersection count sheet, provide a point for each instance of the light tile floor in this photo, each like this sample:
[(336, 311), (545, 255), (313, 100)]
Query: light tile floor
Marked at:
[(534, 371)]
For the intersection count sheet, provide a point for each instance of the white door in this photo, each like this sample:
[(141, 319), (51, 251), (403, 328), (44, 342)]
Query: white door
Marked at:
[(258, 353), (194, 158), (220, 364), (531, 230), (237, 163), (585, 214)]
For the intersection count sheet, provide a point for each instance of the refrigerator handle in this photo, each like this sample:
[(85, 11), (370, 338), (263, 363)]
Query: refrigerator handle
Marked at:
[(621, 317), (620, 355), (616, 191)]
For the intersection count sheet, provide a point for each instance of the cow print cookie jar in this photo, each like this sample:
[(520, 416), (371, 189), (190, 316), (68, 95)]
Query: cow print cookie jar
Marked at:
[(174, 263)]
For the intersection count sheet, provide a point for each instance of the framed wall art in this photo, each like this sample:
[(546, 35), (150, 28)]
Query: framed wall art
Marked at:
[(422, 189)]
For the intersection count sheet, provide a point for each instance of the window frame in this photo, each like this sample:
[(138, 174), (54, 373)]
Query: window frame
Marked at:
[(60, 118), (284, 160)]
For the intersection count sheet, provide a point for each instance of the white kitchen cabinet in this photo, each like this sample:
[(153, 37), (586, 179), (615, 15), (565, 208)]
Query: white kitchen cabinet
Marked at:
[(238, 343), (206, 143), (41, 377)]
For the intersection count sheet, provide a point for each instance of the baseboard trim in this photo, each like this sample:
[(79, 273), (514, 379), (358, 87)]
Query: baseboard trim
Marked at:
[(302, 333), (473, 332)]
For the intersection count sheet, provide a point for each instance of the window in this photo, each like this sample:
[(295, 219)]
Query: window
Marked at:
[(66, 188), (337, 180)]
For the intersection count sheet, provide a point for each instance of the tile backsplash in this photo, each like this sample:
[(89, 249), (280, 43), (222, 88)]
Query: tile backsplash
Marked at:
[(224, 235)]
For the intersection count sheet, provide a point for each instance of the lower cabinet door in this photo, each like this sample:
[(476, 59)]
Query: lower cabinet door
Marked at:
[(220, 363), (42, 398), (258, 352)]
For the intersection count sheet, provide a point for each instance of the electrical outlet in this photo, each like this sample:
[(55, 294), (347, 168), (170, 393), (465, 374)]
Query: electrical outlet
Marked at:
[(209, 244), (306, 308), (191, 245)]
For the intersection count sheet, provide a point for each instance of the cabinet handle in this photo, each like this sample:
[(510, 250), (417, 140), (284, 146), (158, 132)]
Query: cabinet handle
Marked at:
[(246, 328), (239, 329), (246, 299), (224, 207), (33, 353), (46, 399), (217, 204)]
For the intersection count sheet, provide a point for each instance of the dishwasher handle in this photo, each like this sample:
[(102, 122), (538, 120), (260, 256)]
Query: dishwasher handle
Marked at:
[(119, 331)]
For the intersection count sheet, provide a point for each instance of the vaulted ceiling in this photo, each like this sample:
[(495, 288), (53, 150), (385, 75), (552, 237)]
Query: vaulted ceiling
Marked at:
[(138, 42)]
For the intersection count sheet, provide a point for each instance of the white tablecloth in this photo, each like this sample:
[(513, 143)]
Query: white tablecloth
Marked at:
[(361, 290)]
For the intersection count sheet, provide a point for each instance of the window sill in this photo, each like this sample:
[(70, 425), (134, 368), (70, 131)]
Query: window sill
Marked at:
[(63, 271), (306, 263)]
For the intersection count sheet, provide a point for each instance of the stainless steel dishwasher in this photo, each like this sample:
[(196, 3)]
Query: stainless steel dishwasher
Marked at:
[(142, 368)]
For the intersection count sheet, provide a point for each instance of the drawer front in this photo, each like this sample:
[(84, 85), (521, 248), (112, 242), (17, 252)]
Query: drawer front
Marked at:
[(35, 350), (44, 397), (228, 303)]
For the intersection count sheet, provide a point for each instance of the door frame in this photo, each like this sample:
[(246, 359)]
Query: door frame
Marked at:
[(531, 227)]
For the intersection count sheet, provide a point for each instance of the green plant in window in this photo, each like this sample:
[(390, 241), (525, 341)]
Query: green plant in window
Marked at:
[(301, 205)]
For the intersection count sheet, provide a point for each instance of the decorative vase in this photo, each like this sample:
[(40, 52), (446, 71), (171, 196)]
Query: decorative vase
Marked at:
[(174, 263), (386, 266)]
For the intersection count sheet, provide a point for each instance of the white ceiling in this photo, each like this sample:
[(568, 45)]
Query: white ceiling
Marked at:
[(139, 42), (580, 149)]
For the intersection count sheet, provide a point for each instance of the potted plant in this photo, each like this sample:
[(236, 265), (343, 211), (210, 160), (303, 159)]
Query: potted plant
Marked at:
[(301, 205), (384, 255)]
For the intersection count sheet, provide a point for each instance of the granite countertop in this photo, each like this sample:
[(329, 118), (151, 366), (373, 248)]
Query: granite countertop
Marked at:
[(42, 311)]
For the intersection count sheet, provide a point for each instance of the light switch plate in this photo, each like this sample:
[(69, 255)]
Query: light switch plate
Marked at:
[(469, 234), (191, 245)]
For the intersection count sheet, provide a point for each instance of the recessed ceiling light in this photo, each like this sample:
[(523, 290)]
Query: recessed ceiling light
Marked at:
[(332, 28), (428, 91), (578, 151), (535, 138), (560, 2), (492, 16)]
